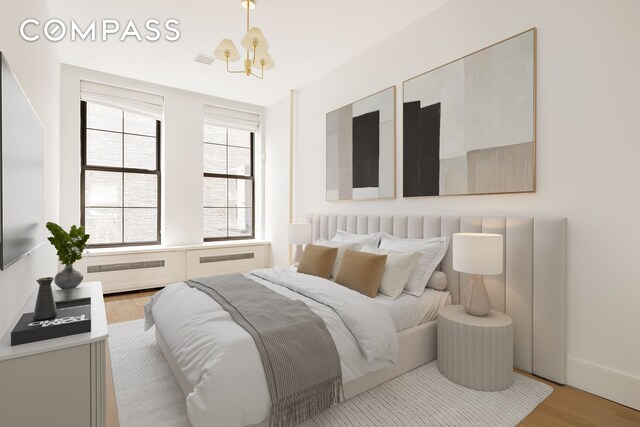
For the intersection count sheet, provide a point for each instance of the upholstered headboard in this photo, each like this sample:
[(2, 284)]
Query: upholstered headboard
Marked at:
[(531, 289)]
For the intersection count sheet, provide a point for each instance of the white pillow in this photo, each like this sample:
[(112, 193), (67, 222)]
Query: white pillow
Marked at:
[(372, 239), (342, 246), (397, 270), (432, 250), (438, 281)]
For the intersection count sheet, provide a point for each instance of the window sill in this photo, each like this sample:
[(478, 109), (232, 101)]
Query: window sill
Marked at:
[(160, 248)]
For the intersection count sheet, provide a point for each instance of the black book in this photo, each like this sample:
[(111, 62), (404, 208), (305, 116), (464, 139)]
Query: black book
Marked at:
[(74, 317)]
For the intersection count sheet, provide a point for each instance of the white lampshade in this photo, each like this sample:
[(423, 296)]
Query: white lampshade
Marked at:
[(263, 55), (254, 34), (226, 45), (478, 253), (299, 234)]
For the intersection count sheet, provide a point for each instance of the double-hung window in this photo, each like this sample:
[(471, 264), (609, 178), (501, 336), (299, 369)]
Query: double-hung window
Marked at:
[(120, 182), (228, 182)]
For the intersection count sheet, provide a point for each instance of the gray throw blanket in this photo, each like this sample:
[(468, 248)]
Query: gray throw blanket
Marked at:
[(299, 356)]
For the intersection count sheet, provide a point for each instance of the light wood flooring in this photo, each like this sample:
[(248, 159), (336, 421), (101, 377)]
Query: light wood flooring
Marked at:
[(567, 406)]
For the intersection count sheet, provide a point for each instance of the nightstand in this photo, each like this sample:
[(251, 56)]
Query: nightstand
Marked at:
[(60, 381), (476, 352)]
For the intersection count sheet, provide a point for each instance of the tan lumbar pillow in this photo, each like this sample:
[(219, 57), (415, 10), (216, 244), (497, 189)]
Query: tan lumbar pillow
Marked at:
[(361, 271), (317, 260), (341, 246)]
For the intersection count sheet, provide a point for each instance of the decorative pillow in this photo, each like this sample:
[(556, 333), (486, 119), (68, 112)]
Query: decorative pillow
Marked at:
[(438, 281), (372, 239), (362, 272), (432, 250), (341, 246), (317, 260), (397, 270)]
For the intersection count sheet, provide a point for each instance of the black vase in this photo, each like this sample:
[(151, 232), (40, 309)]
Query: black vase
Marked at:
[(45, 305), (68, 277)]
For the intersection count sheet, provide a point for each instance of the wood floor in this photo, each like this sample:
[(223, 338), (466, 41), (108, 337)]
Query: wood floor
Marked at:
[(567, 406)]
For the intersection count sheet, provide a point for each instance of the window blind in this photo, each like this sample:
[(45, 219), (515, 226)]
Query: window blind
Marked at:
[(126, 99), (218, 116)]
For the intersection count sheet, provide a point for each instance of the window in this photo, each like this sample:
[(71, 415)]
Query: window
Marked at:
[(228, 183), (120, 182)]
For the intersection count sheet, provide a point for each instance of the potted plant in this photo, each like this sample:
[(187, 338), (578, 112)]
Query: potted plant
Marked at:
[(70, 247)]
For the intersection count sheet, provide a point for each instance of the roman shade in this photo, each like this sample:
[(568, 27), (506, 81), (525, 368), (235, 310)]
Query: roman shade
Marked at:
[(225, 117), (133, 101)]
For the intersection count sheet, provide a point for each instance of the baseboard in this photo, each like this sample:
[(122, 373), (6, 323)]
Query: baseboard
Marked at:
[(613, 385)]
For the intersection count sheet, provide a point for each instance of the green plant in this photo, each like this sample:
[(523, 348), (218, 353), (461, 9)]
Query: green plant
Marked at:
[(69, 245)]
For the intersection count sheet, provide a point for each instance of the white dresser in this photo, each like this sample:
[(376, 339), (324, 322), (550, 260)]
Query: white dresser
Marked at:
[(61, 381)]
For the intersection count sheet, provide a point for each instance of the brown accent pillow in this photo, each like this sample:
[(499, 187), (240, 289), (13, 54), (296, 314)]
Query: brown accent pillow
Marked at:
[(317, 260), (361, 271)]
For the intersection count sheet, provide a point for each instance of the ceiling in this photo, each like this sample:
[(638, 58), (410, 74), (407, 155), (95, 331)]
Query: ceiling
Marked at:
[(307, 39)]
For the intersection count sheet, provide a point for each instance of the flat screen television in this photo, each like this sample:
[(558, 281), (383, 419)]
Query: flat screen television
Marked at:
[(21, 171)]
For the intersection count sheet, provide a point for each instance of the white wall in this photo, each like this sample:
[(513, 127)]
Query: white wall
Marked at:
[(276, 131), (587, 153), (181, 154), (37, 68)]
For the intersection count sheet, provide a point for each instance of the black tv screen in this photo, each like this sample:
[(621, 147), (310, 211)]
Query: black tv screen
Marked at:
[(21, 173)]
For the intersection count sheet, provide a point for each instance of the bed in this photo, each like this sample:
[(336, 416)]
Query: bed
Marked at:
[(205, 347), (534, 257)]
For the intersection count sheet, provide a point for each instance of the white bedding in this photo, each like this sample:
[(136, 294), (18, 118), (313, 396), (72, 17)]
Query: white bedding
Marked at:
[(220, 359), (408, 311)]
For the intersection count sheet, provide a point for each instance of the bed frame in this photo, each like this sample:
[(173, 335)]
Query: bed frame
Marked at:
[(417, 346), (531, 289)]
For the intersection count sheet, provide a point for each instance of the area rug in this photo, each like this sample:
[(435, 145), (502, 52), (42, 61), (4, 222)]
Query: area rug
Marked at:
[(148, 395)]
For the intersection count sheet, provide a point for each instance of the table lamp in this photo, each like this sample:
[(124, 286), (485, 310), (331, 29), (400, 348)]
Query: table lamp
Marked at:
[(299, 234), (477, 254)]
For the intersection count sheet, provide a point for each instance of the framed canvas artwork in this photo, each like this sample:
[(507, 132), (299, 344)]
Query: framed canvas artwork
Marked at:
[(361, 146), (469, 126)]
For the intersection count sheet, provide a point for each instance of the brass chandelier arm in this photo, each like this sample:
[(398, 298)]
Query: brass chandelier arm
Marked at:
[(233, 71), (261, 76), (250, 73)]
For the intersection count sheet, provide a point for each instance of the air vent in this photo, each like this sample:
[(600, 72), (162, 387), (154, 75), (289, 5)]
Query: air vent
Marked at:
[(222, 258), (204, 59), (124, 266)]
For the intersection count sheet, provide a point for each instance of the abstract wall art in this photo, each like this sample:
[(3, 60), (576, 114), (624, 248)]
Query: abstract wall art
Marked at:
[(361, 148), (469, 126)]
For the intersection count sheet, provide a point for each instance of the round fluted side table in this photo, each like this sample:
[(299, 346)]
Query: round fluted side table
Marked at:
[(476, 352)]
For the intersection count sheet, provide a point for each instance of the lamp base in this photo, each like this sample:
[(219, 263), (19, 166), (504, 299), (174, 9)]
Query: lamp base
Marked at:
[(476, 300)]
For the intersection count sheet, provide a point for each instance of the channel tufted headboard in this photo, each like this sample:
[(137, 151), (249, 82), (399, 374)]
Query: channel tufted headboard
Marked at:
[(531, 289)]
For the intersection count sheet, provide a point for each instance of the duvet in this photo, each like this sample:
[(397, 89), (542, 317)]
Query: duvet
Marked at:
[(221, 361)]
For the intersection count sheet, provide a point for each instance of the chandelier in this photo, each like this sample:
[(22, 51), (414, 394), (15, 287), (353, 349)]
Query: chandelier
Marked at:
[(255, 44)]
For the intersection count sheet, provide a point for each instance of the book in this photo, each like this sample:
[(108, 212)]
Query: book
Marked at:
[(74, 317)]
